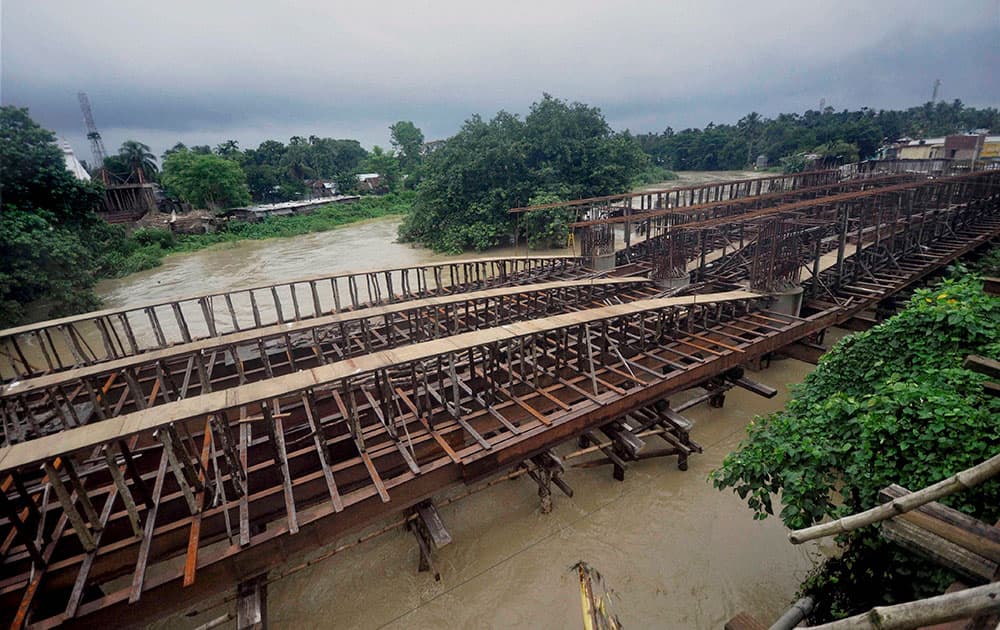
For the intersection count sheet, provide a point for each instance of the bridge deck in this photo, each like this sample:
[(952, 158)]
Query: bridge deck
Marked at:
[(299, 438)]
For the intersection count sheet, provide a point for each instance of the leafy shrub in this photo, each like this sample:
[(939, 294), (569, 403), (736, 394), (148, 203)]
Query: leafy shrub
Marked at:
[(889, 405)]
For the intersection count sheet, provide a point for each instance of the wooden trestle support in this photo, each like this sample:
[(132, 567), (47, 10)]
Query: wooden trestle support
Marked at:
[(186, 461)]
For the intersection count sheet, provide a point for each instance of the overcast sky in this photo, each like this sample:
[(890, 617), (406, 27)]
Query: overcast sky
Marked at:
[(206, 71)]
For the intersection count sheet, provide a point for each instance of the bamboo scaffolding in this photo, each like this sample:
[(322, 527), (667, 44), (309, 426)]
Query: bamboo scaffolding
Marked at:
[(924, 612), (966, 479)]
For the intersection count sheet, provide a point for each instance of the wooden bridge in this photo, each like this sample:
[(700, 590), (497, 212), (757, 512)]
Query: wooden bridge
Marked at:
[(158, 455)]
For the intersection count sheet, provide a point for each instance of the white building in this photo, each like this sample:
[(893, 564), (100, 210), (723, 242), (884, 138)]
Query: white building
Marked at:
[(72, 164)]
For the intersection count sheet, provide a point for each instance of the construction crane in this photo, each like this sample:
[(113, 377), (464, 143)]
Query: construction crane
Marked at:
[(96, 144)]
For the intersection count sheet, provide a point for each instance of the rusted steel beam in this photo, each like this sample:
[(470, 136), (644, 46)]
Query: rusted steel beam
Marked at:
[(740, 205), (132, 329), (521, 389), (685, 192), (252, 355)]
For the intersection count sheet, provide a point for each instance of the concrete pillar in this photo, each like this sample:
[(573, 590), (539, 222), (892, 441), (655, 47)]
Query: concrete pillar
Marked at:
[(788, 302)]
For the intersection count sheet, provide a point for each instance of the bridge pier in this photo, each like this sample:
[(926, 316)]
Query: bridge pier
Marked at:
[(428, 528), (547, 469), (597, 246)]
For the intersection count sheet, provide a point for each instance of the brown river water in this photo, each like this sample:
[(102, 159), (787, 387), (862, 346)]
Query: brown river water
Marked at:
[(677, 552)]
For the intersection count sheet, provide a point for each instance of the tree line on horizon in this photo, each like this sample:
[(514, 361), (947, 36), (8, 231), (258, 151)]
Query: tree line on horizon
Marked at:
[(835, 137), (227, 176), (276, 171), (52, 247)]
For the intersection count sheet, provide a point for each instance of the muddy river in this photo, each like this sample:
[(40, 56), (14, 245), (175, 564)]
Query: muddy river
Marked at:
[(677, 553)]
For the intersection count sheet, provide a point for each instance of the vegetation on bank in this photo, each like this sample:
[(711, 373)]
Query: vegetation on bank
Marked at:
[(559, 151), (836, 137), (145, 248), (54, 248), (889, 405)]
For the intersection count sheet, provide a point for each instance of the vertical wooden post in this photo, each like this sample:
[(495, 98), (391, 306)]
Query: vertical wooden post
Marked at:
[(251, 607)]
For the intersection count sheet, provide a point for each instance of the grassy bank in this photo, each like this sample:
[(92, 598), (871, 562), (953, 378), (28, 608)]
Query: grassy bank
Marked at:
[(653, 175), (145, 248)]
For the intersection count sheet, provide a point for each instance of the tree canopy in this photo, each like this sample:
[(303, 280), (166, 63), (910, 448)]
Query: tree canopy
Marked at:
[(470, 182), (45, 212), (736, 146), (205, 180), (890, 405), (406, 139)]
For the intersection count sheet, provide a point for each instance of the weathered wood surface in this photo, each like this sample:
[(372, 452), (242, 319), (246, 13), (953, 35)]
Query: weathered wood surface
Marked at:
[(961, 529), (924, 612)]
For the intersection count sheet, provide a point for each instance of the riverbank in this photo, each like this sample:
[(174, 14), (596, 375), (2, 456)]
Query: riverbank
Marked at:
[(146, 248)]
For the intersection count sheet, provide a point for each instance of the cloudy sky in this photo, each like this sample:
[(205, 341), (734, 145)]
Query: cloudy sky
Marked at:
[(206, 71)]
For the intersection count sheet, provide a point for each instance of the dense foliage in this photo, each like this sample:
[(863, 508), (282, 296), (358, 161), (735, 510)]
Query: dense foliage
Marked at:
[(475, 177), (837, 137), (278, 172), (205, 181), (890, 405), (45, 221)]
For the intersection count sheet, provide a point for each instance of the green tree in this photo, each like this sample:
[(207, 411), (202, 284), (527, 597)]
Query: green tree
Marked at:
[(33, 174), (890, 405), (406, 140), (546, 228), (230, 149), (385, 164), (139, 160), (44, 212), (179, 146), (475, 177), (205, 180), (732, 146)]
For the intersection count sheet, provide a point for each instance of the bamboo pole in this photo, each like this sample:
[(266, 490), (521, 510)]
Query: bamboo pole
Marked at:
[(965, 479), (923, 612)]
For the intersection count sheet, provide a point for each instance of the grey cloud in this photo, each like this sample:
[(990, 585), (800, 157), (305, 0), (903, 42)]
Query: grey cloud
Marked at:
[(216, 70)]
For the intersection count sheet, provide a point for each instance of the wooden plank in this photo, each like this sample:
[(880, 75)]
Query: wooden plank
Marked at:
[(427, 427), (191, 560), (758, 388), (139, 574), (434, 525), (321, 453), (940, 550), (991, 286), (277, 435), (69, 507), (251, 604), (94, 434), (376, 478), (983, 365), (951, 524)]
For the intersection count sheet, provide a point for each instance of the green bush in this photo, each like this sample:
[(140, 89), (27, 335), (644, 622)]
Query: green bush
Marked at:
[(889, 405)]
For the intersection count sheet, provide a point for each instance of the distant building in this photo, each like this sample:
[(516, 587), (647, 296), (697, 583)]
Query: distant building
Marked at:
[(73, 165), (369, 181), (321, 187), (925, 149), (761, 161), (959, 147), (990, 149)]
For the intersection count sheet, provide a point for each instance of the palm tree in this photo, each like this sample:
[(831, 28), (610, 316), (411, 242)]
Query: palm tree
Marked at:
[(139, 158), (230, 149)]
